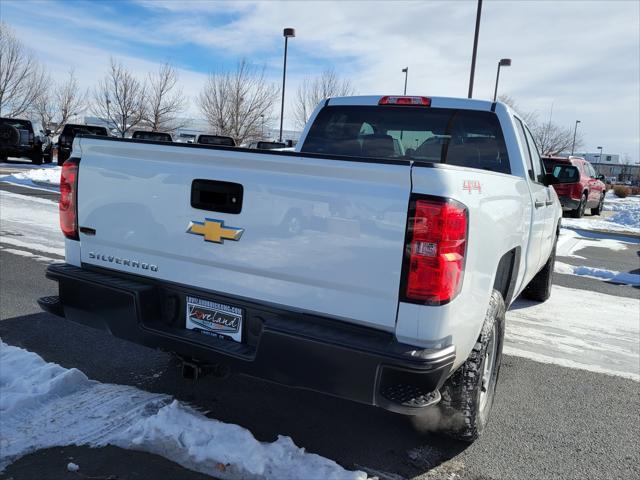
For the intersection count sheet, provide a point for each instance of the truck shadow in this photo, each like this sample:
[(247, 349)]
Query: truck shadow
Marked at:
[(356, 436)]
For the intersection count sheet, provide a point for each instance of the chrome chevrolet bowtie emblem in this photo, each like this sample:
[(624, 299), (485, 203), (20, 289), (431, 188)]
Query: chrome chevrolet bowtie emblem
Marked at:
[(215, 230)]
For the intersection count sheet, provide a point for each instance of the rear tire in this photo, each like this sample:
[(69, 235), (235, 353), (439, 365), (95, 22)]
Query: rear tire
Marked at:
[(598, 209), (579, 212), (467, 396), (36, 158), (539, 288)]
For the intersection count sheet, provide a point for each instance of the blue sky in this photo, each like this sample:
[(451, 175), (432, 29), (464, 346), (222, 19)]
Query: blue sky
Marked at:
[(582, 57)]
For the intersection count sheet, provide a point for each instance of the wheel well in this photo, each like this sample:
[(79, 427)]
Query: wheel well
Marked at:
[(505, 280)]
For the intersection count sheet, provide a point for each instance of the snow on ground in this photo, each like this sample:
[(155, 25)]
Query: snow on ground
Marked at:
[(572, 241), (598, 273), (44, 177), (45, 405), (578, 329), (625, 219), (30, 223)]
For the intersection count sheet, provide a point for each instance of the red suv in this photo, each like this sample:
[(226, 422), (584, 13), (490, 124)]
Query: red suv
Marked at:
[(586, 192)]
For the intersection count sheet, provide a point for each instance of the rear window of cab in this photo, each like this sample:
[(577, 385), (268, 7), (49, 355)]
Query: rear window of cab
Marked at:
[(466, 138)]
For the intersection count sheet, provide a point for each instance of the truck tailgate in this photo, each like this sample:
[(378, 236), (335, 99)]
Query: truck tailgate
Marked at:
[(318, 235)]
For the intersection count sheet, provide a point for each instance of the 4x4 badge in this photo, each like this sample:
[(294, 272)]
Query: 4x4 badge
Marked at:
[(215, 231)]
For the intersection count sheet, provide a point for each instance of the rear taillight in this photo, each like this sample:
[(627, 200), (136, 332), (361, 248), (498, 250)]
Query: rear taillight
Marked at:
[(69, 198), (577, 190), (31, 137), (410, 101), (435, 250)]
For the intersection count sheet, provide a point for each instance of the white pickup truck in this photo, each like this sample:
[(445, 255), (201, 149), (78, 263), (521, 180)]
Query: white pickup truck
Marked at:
[(373, 263)]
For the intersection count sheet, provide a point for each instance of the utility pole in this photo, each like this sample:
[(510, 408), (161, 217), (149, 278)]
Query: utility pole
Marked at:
[(475, 48)]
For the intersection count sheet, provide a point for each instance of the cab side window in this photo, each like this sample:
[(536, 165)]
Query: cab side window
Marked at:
[(538, 166), (527, 154)]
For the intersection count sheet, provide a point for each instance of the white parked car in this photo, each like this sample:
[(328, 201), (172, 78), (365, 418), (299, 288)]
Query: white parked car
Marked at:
[(372, 266)]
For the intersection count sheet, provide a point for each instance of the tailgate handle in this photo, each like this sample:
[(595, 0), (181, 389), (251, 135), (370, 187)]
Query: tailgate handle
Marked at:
[(216, 196)]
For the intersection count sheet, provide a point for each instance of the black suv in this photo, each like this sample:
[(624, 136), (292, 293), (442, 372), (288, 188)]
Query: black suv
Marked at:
[(69, 132), (17, 139)]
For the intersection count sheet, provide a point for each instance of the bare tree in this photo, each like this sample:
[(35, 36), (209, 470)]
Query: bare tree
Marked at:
[(314, 90), (120, 99), (551, 139), (165, 101), (22, 78), (237, 103), (56, 106)]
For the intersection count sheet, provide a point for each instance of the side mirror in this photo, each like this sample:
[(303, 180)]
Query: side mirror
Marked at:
[(562, 174), (600, 177)]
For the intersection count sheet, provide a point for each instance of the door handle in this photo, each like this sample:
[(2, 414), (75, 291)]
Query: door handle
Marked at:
[(539, 204), (549, 203)]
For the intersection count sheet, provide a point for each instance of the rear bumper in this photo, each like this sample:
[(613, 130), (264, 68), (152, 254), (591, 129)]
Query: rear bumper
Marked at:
[(18, 151), (287, 347), (568, 203)]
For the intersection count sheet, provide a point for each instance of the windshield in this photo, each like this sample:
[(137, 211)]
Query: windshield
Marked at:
[(439, 135), (16, 123), (156, 136), (83, 130)]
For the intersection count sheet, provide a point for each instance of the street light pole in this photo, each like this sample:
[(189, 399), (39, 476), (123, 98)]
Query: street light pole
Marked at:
[(504, 62), (600, 158), (575, 130), (475, 48), (262, 118), (406, 74), (287, 33)]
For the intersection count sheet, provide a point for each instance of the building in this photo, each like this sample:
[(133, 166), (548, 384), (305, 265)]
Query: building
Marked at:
[(607, 158), (619, 172)]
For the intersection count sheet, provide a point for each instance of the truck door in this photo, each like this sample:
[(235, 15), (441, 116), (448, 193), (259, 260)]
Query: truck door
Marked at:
[(546, 193), (539, 198), (595, 186)]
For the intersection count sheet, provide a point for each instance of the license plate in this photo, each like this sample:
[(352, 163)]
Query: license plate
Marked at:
[(215, 319)]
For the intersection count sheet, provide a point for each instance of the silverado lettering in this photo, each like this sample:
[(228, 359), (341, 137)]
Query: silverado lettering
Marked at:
[(122, 261)]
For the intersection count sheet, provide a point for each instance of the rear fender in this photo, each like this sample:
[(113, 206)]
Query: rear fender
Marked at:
[(499, 221)]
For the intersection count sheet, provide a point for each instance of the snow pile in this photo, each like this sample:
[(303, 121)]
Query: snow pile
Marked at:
[(30, 223), (578, 329), (45, 405), (47, 178), (625, 219), (599, 273)]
